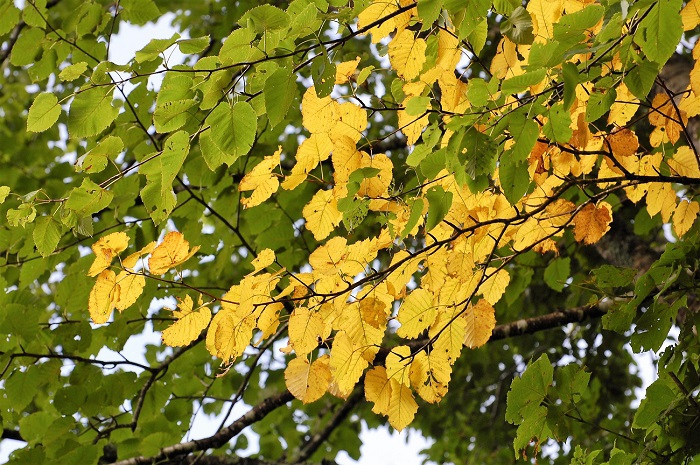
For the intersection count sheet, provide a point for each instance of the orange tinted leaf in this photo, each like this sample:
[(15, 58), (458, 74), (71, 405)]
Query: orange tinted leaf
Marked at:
[(591, 222), (480, 323), (173, 251)]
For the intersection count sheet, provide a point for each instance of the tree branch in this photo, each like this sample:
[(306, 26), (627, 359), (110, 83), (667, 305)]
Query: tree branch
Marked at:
[(254, 415), (320, 437)]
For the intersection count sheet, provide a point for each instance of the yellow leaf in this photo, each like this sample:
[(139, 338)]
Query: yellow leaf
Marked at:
[(402, 405), (412, 126), (544, 14), (261, 180), (416, 314), (310, 153), (451, 336), (131, 261), (229, 334), (495, 285), (265, 258), (661, 198), (378, 390), (375, 13), (188, 326), (624, 108), (406, 266), (684, 217), (104, 294), (374, 312), (481, 320), (690, 14), (308, 381), (684, 162), (352, 120), (344, 70), (328, 258), (363, 334), (347, 363), (306, 330), (591, 222), (321, 214), (346, 159), (449, 50), (376, 186), (318, 114), (505, 63), (407, 54), (269, 320), (430, 376), (105, 249), (173, 251), (130, 288), (398, 364)]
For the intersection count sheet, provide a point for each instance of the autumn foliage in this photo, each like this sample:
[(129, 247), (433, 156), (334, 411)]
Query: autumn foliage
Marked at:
[(361, 192)]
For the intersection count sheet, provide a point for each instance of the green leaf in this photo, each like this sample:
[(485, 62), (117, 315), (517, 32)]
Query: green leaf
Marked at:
[(43, 113), (160, 171), (323, 74), (557, 273), (192, 46), (27, 46), (514, 177), (641, 77), (173, 101), (599, 103), (96, 159), (73, 72), (21, 386), (529, 390), (232, 130), (558, 127), (520, 83), (518, 27), (22, 215), (653, 326), (478, 92), (280, 92), (154, 48), (237, 47), (525, 132), (661, 30), (265, 18), (417, 105), (416, 214), (428, 11), (88, 199), (440, 203), (139, 12), (9, 17), (658, 399), (609, 277), (571, 78), (477, 38), (91, 112), (47, 233), (4, 192)]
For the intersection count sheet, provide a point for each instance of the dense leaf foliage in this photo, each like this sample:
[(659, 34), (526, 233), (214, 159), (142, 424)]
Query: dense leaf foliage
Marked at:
[(341, 212)]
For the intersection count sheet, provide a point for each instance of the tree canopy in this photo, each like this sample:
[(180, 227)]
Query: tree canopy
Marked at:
[(459, 217)]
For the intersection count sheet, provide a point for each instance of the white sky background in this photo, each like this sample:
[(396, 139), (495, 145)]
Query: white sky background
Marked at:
[(379, 445)]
